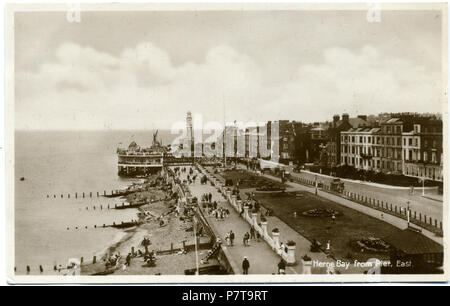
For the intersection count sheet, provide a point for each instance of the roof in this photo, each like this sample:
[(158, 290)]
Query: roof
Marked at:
[(392, 121), (365, 130), (357, 122), (354, 122), (411, 242)]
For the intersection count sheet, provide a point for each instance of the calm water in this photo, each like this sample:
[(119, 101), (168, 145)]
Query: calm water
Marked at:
[(61, 163)]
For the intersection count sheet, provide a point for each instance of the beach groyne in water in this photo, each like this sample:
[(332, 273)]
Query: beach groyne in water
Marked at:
[(91, 194)]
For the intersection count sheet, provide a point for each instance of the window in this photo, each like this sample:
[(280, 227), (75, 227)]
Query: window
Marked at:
[(410, 142)]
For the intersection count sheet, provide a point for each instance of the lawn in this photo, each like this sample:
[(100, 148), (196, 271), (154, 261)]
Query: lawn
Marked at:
[(349, 225)]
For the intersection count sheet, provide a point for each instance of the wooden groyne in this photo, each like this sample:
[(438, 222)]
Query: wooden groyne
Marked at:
[(90, 194), (120, 225)]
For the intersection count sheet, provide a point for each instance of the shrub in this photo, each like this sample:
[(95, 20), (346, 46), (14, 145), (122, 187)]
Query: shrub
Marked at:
[(306, 257), (275, 230), (291, 243)]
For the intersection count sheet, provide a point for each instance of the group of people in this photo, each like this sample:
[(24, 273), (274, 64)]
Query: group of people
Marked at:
[(113, 261), (251, 234), (229, 238), (219, 213), (207, 197), (246, 266)]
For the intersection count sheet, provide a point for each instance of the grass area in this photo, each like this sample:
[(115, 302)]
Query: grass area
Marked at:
[(350, 225), (250, 180)]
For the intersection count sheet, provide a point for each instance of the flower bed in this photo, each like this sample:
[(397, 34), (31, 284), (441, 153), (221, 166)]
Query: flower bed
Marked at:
[(321, 212)]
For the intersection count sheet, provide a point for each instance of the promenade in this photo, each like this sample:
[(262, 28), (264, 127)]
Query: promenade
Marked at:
[(263, 259)]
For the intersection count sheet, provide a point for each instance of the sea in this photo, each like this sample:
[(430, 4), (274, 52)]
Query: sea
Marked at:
[(55, 163)]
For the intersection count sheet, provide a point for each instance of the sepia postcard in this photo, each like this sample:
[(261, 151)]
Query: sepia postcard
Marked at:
[(226, 143)]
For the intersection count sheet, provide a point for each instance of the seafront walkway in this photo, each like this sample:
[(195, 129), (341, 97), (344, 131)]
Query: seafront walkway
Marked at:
[(263, 259), (391, 219)]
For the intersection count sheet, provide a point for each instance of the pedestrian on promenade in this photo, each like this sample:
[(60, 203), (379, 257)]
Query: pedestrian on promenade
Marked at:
[(281, 267), (245, 265), (128, 259), (246, 237), (231, 237), (252, 232), (227, 239), (210, 197)]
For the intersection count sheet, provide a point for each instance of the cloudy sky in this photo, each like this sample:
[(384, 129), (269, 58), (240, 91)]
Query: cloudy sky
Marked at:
[(144, 70)]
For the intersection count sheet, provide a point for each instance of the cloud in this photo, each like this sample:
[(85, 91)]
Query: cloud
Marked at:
[(83, 88)]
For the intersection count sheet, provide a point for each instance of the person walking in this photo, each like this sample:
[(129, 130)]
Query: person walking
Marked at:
[(246, 237), (245, 265), (231, 237), (281, 267), (252, 232)]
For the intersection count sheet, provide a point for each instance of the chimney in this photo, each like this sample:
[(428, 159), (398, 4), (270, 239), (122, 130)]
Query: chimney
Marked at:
[(345, 117), (363, 117), (335, 120)]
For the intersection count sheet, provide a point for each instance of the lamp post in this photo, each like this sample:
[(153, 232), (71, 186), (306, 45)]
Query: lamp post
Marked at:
[(315, 184), (408, 214), (196, 253), (423, 186)]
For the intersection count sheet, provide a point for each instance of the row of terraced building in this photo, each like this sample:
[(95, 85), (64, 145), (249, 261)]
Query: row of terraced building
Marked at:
[(404, 143)]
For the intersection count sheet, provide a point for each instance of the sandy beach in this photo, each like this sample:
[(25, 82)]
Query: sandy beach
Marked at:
[(167, 233)]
